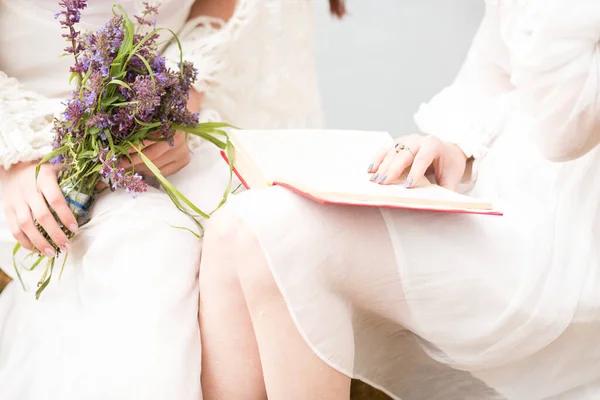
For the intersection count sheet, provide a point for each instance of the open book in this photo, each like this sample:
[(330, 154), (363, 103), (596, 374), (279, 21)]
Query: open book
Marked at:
[(330, 167)]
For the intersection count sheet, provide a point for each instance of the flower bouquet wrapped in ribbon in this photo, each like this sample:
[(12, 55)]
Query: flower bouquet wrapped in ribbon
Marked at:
[(124, 95)]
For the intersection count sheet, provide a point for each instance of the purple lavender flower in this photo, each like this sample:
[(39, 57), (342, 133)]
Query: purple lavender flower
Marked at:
[(56, 160), (148, 11), (117, 176), (123, 122), (147, 97), (71, 12), (158, 64), (95, 82), (74, 112), (101, 47), (89, 100), (71, 16), (100, 120)]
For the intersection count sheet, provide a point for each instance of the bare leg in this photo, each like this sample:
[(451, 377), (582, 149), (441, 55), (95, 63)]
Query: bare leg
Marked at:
[(231, 367), (291, 369)]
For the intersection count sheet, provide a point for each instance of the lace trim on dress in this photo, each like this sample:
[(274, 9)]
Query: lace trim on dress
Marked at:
[(205, 41), (25, 123)]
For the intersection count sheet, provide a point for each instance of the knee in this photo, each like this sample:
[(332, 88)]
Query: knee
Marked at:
[(242, 259), (219, 253)]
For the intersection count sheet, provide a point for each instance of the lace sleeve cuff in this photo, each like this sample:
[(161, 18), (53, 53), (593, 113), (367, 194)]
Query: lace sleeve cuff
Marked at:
[(466, 118), (25, 123)]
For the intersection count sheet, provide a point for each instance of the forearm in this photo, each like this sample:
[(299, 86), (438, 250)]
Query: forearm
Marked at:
[(222, 9)]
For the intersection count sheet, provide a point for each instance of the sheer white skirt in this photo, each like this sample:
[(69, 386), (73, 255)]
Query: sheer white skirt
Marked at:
[(122, 322), (432, 306)]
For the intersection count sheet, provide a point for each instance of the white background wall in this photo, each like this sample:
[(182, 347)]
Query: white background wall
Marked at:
[(378, 64)]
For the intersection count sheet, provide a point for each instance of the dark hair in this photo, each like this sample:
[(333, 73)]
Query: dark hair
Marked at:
[(338, 7)]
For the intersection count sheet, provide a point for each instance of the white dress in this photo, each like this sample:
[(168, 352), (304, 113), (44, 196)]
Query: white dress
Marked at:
[(121, 324), (433, 306)]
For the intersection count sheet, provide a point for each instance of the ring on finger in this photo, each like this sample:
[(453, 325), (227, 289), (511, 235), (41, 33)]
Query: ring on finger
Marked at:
[(399, 147)]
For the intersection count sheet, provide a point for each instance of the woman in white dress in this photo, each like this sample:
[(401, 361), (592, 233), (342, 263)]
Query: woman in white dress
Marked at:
[(122, 322), (434, 306)]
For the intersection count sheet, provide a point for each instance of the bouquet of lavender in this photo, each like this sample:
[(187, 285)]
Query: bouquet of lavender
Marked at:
[(124, 95)]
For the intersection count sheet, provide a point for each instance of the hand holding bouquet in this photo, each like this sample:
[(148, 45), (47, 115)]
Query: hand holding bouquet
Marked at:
[(125, 96)]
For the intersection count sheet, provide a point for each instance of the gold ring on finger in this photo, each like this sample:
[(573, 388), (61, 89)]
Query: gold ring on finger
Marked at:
[(399, 147)]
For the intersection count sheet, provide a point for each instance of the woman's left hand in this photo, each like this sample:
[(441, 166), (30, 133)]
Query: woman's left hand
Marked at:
[(168, 159)]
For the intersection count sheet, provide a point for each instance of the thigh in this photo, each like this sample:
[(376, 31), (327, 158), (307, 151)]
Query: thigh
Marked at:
[(343, 251)]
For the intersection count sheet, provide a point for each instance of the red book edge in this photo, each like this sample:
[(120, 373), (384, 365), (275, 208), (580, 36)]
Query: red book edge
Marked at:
[(341, 203)]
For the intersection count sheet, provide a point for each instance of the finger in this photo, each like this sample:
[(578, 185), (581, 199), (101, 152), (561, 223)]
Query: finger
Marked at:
[(168, 163), (159, 163), (55, 198), (152, 152), (384, 165), (16, 231), (424, 157), (44, 217), (446, 176), (378, 159), (143, 145), (397, 167), (171, 168), (25, 222)]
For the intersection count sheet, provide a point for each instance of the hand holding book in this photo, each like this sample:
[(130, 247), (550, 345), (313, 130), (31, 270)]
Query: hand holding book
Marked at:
[(413, 156)]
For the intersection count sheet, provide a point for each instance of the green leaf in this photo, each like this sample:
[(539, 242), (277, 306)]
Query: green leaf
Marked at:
[(148, 125), (230, 157), (170, 189), (127, 43), (49, 156), (141, 43), (120, 83), (217, 142), (215, 125), (148, 67), (94, 130), (62, 267), (176, 38), (73, 76), (14, 254), (45, 281), (187, 229), (35, 264), (86, 77), (110, 100)]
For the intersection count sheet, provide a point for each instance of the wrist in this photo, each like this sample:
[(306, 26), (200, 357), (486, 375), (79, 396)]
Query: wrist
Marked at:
[(456, 149), (6, 172), (194, 100)]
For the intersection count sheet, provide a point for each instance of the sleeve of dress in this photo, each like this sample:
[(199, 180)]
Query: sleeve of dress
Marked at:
[(556, 72), (25, 123), (471, 112)]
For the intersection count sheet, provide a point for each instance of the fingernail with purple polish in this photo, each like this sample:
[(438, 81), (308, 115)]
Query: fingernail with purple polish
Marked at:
[(374, 177), (370, 168), (382, 179), (409, 182), (49, 252)]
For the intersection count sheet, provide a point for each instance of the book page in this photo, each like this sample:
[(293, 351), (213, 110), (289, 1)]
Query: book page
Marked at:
[(308, 154)]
